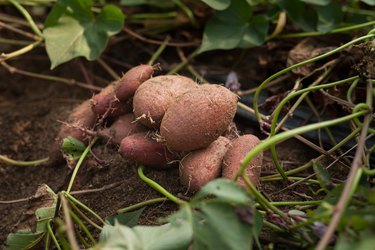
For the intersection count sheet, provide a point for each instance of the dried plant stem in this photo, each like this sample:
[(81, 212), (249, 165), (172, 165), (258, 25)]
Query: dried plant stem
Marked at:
[(349, 183), (71, 82)]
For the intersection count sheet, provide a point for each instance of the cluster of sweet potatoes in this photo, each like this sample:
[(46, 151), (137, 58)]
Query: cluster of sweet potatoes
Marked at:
[(158, 121)]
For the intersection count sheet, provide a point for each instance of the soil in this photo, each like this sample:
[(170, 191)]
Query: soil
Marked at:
[(29, 112)]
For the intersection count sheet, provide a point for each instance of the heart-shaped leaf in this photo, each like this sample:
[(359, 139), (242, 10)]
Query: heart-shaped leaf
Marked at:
[(72, 30)]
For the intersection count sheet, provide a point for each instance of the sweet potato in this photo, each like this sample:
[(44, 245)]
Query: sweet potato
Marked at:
[(113, 99), (143, 149), (155, 95), (131, 80), (122, 127), (198, 117), (203, 165), (82, 116), (234, 156)]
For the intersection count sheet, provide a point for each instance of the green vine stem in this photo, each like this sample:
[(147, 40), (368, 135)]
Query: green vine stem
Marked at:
[(141, 204), (279, 108), (289, 134), (79, 163), (159, 188), (19, 52), (69, 227), (28, 17), (264, 83), (261, 199), (9, 161), (184, 63), (334, 31), (82, 226), (292, 179), (349, 93), (84, 216), (52, 235), (296, 203), (159, 51), (319, 158), (77, 202)]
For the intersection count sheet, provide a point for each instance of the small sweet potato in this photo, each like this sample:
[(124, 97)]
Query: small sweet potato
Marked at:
[(198, 117), (234, 156), (82, 116), (203, 165), (155, 95), (113, 99), (131, 80), (122, 127), (143, 149)]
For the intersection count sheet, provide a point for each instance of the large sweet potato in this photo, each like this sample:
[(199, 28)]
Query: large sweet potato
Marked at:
[(198, 117), (155, 95)]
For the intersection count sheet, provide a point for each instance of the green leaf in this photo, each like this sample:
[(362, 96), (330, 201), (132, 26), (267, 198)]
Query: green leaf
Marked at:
[(329, 16), (73, 147), (171, 236), (23, 239), (154, 3), (226, 28), (225, 190), (129, 219), (323, 176), (72, 30), (218, 4), (217, 226), (256, 32), (300, 13), (369, 2), (317, 2)]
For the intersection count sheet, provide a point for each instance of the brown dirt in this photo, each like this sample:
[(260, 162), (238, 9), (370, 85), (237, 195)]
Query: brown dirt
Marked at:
[(29, 110)]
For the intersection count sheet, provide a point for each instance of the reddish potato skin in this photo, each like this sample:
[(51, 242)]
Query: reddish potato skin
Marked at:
[(203, 165), (144, 150), (198, 117), (81, 116), (155, 95), (131, 80), (121, 128), (234, 156), (106, 104)]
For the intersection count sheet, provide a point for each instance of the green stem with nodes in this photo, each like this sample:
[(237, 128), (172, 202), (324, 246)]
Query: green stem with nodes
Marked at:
[(289, 134), (334, 31), (53, 237), (14, 42), (159, 188), (77, 202), (79, 163), (19, 52), (22, 163), (261, 199), (83, 227), (310, 163), (141, 204), (28, 17), (257, 93), (159, 51)]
